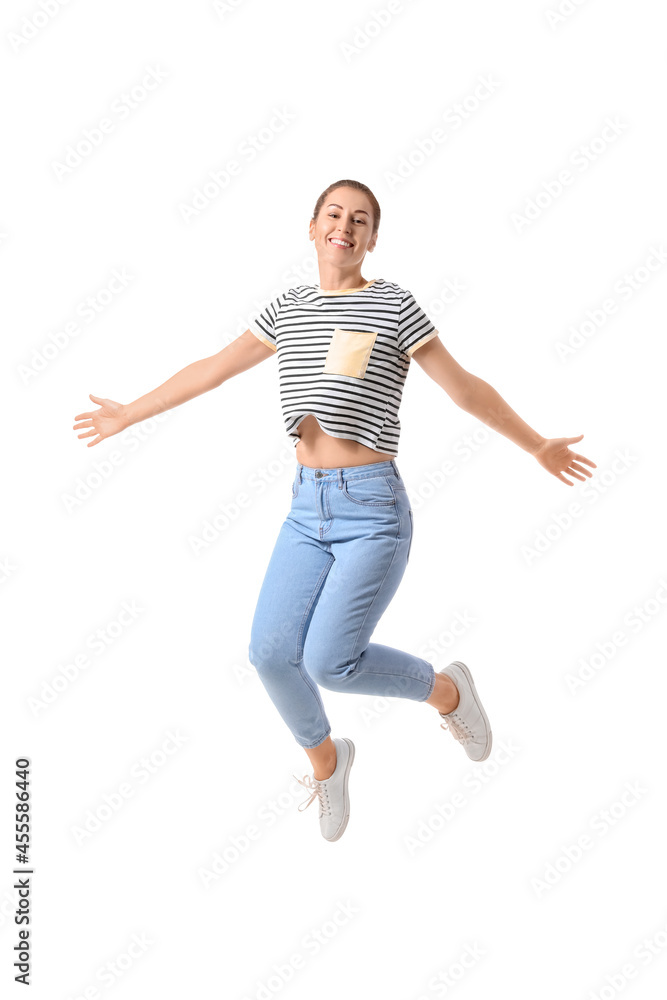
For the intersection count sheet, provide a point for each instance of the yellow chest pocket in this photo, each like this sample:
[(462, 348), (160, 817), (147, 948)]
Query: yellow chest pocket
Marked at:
[(349, 352)]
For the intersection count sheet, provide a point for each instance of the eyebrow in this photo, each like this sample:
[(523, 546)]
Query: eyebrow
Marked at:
[(357, 211)]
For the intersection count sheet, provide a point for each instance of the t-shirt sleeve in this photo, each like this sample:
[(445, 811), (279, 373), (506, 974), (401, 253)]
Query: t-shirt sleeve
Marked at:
[(414, 326), (263, 325)]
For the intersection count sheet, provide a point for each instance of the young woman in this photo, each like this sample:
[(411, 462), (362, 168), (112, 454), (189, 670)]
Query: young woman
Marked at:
[(344, 348)]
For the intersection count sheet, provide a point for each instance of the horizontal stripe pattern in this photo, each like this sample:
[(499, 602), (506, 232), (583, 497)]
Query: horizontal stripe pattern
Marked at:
[(299, 325)]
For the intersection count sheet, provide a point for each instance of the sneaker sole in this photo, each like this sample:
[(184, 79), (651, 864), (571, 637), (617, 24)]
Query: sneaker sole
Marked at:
[(479, 706), (346, 797)]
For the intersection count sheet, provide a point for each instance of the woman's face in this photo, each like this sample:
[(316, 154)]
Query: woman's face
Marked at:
[(343, 230)]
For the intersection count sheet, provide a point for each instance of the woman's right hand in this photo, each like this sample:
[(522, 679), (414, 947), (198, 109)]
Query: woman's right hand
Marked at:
[(111, 418)]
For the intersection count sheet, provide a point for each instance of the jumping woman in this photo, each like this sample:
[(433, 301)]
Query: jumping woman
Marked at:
[(344, 349)]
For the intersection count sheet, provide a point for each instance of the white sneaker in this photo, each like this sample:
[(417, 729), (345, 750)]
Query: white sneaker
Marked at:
[(332, 792), (468, 722)]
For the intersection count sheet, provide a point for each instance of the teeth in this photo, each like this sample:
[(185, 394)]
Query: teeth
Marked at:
[(341, 243)]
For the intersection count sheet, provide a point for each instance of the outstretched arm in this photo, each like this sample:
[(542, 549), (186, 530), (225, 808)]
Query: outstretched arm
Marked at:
[(197, 378), (480, 399)]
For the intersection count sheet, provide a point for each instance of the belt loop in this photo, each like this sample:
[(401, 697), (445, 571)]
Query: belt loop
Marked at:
[(340, 478), (395, 467), (300, 472)]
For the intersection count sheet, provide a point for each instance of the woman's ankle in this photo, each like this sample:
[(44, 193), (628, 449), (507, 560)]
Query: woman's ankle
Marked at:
[(445, 694), (323, 759)]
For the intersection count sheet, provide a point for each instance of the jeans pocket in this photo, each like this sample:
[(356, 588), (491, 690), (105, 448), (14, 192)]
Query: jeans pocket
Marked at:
[(349, 352), (375, 491)]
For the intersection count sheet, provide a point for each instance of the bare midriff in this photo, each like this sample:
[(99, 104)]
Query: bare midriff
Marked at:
[(320, 450)]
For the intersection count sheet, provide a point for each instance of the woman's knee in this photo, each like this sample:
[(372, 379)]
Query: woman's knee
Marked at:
[(269, 648), (326, 670)]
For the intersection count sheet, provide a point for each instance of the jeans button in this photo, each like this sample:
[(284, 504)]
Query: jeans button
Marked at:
[(319, 474)]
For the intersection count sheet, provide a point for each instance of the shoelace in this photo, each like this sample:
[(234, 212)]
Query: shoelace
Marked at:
[(317, 790), (457, 730)]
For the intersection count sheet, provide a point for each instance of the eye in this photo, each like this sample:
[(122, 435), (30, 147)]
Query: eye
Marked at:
[(334, 214)]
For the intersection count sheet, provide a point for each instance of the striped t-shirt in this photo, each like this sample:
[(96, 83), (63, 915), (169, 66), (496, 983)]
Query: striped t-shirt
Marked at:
[(343, 356)]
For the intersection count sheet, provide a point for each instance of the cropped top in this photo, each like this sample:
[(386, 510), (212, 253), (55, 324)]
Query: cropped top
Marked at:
[(343, 356)]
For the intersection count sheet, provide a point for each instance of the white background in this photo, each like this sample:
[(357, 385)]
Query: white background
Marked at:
[(493, 880)]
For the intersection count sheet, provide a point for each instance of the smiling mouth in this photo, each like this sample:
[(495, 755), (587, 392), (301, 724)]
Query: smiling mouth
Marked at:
[(343, 244)]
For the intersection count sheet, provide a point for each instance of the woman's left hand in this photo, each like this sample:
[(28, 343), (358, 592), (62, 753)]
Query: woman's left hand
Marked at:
[(555, 456)]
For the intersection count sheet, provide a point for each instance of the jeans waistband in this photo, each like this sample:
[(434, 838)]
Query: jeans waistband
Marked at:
[(348, 472)]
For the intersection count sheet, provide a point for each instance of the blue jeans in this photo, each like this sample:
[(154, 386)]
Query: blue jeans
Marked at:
[(337, 562)]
